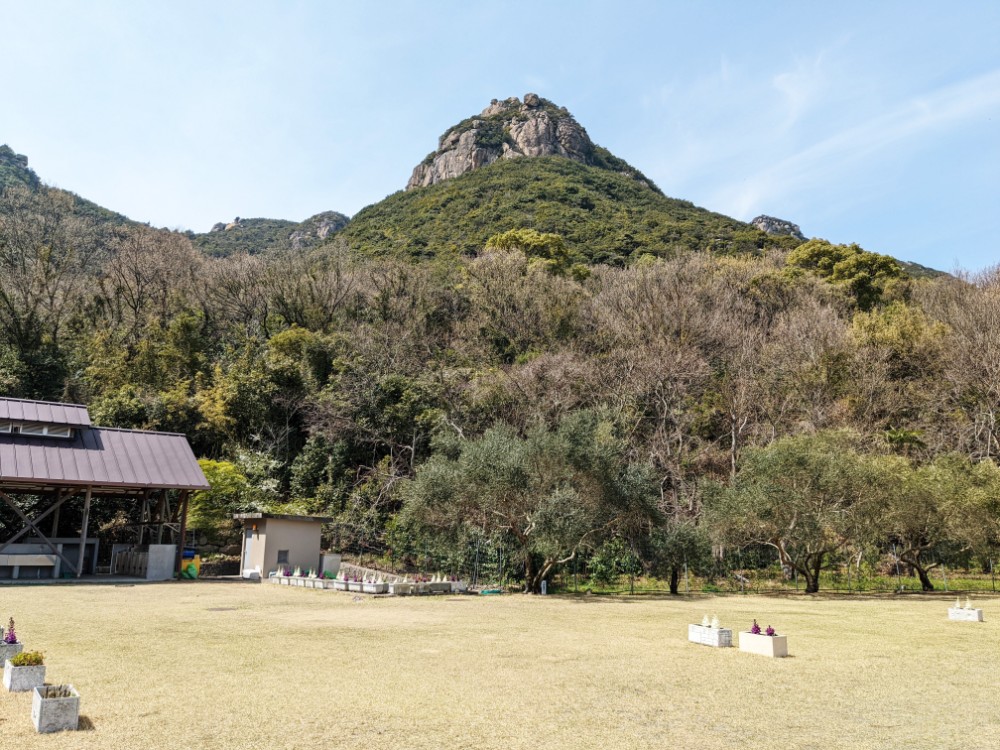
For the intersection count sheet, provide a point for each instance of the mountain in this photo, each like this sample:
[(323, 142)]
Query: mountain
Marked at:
[(15, 172), (530, 165), (513, 129), (263, 235)]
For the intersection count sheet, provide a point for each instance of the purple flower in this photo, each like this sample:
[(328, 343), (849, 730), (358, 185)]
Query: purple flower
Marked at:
[(755, 628), (769, 631), (11, 636)]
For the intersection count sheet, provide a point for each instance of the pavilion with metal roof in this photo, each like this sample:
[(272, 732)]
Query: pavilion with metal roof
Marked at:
[(51, 454)]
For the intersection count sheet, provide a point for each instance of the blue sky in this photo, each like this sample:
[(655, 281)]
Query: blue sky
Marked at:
[(876, 123)]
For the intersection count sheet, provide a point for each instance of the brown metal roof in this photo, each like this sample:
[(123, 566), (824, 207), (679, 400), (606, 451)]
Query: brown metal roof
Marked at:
[(280, 517), (48, 412), (101, 457)]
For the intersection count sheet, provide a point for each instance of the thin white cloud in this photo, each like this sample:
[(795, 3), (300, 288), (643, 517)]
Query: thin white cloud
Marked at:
[(937, 110)]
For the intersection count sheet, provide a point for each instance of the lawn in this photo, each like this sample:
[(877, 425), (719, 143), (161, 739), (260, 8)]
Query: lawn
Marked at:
[(229, 665)]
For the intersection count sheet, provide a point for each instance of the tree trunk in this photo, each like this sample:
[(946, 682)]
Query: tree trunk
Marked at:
[(675, 575), (925, 581), (811, 571), (532, 579)]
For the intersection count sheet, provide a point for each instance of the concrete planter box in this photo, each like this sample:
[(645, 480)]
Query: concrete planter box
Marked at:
[(8, 650), (314, 583), (355, 586), (775, 646), (714, 637), (459, 587), (399, 588), (440, 587), (340, 585), (55, 708), (22, 679), (375, 588), (966, 615), (283, 580)]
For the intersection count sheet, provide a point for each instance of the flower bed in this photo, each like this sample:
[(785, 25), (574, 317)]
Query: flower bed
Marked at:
[(707, 635), (768, 643)]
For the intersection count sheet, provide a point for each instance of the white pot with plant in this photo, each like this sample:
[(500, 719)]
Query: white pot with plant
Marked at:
[(766, 643), (55, 708), (967, 613), (24, 671), (710, 633), (10, 645)]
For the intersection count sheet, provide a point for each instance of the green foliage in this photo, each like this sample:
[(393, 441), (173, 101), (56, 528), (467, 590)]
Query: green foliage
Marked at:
[(805, 496), (231, 492), (612, 560), (864, 275), (555, 492), (28, 659), (602, 216)]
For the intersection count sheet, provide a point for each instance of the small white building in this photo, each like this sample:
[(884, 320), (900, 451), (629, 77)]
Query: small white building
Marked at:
[(280, 542)]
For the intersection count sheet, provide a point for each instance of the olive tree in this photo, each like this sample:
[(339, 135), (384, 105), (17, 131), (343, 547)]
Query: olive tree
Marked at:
[(554, 492), (806, 496)]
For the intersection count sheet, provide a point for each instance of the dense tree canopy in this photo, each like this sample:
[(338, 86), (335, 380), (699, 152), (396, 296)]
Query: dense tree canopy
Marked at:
[(649, 410)]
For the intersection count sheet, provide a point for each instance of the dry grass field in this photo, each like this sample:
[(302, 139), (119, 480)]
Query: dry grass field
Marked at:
[(218, 665)]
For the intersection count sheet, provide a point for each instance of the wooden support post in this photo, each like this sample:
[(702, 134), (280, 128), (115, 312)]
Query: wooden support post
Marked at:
[(161, 515), (83, 533), (55, 516), (60, 499), (182, 504), (31, 524)]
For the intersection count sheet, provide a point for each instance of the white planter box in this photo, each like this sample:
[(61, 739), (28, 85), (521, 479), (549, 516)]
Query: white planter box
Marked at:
[(775, 646), (283, 580), (340, 585), (22, 679), (459, 587), (55, 714), (967, 615), (399, 588), (714, 637), (8, 650), (440, 587), (355, 586), (375, 588)]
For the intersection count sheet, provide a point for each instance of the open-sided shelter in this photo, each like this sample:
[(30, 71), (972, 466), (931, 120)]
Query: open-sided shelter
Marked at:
[(51, 452)]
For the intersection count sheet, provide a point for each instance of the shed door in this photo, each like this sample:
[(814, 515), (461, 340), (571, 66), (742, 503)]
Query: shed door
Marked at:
[(247, 548)]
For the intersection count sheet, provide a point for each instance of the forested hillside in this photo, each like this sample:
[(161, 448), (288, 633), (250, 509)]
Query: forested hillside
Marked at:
[(816, 401), (604, 216)]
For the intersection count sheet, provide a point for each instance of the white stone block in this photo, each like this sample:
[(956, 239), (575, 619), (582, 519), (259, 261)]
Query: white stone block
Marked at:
[(714, 637), (9, 650), (966, 615), (775, 646), (22, 679), (55, 714)]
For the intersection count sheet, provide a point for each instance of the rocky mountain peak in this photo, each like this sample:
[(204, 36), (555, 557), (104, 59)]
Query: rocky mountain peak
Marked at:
[(771, 225), (14, 169), (511, 129)]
